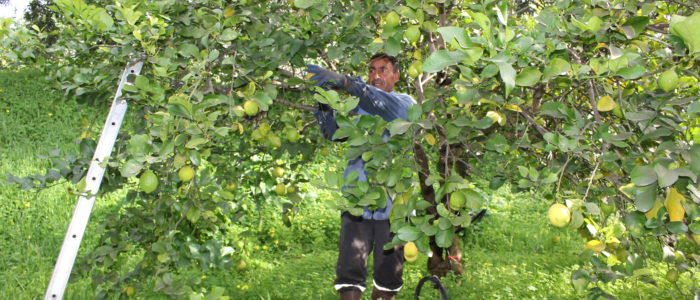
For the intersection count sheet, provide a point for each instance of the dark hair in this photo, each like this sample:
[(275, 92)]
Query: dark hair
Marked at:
[(392, 59)]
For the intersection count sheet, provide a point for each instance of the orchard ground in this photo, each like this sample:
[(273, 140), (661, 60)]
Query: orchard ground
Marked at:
[(514, 253)]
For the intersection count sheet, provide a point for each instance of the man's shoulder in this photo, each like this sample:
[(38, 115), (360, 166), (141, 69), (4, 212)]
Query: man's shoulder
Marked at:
[(405, 97)]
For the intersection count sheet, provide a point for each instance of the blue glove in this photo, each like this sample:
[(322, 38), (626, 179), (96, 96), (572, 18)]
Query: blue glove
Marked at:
[(326, 78)]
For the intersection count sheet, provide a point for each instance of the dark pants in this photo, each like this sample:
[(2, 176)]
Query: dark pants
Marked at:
[(358, 238)]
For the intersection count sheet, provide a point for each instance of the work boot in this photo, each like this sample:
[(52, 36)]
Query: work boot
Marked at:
[(352, 294), (377, 294)]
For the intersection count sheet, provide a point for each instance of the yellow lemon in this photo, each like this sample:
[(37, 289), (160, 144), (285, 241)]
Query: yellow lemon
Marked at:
[(410, 252), (559, 215), (250, 107)]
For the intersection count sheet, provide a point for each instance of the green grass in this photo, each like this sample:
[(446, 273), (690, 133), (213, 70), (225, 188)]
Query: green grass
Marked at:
[(509, 255)]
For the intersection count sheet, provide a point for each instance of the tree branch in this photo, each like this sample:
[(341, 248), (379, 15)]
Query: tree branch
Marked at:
[(298, 106), (325, 58), (287, 86)]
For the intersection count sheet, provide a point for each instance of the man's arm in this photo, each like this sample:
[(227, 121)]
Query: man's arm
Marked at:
[(372, 100), (325, 116), (389, 106)]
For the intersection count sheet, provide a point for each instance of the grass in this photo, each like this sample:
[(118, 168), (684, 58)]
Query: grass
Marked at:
[(511, 254)]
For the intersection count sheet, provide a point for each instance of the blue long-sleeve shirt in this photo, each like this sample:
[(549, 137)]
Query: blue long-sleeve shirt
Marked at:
[(376, 102)]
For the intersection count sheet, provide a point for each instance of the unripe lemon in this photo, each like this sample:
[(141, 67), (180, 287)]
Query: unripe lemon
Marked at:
[(415, 69), (292, 135), (241, 265), (559, 215), (410, 252), (186, 173), (148, 181), (278, 172), (280, 189), (231, 186), (392, 19), (668, 80), (412, 33), (130, 291), (291, 189), (457, 200), (250, 107), (672, 275)]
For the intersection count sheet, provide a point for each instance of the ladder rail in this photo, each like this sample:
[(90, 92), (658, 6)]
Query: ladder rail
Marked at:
[(93, 180)]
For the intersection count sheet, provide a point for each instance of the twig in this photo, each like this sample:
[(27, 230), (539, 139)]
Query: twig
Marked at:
[(591, 97), (298, 106), (326, 59), (287, 86), (590, 180)]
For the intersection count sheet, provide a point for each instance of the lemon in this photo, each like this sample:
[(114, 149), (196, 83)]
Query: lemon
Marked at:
[(250, 107), (457, 200), (278, 172), (148, 181), (412, 33), (292, 135), (280, 189), (186, 173), (291, 189), (410, 252), (668, 80), (415, 68), (231, 186), (130, 291), (559, 215), (672, 275), (392, 19), (241, 265)]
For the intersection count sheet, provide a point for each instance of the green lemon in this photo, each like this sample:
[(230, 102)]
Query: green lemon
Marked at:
[(668, 80), (392, 19), (412, 33), (457, 200), (250, 107), (186, 173), (148, 181), (280, 189)]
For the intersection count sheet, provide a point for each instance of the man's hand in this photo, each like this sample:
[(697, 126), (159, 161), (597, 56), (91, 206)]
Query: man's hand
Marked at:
[(325, 78)]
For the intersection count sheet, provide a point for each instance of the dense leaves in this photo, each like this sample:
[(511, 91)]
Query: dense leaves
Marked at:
[(566, 94)]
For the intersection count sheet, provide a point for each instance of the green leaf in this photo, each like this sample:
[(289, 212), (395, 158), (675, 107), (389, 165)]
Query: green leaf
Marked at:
[(138, 146), (643, 175), (195, 142), (441, 59), (483, 22), (677, 227), (409, 233), (635, 26), (188, 50), (102, 20), (444, 238), (474, 199), (229, 34), (399, 126), (644, 197), (392, 46), (460, 34), (507, 75), (632, 72), (665, 176), (131, 168), (528, 77), (304, 4), (556, 67), (686, 28)]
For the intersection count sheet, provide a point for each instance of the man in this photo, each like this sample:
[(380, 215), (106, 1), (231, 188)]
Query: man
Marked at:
[(359, 236)]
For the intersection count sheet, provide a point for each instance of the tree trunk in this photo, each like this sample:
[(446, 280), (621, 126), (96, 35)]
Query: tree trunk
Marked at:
[(441, 262)]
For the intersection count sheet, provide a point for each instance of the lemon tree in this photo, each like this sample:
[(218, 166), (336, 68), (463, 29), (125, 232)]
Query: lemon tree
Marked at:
[(593, 103)]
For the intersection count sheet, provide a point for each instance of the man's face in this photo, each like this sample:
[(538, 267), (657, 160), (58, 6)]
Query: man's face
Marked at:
[(382, 74)]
